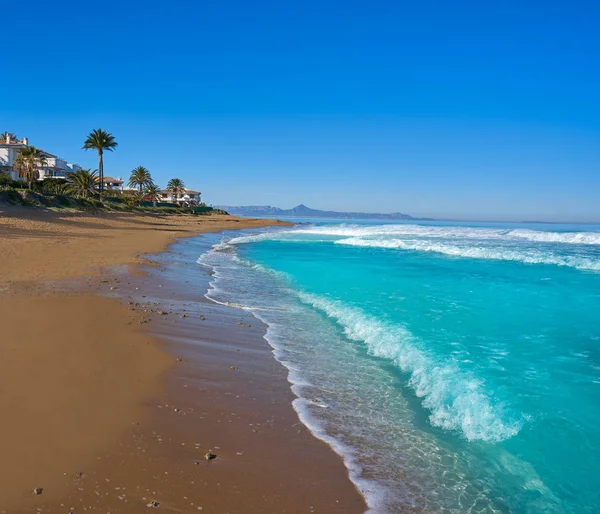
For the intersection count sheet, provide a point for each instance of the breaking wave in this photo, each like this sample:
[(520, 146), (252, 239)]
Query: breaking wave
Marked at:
[(525, 255), (579, 238), (456, 401)]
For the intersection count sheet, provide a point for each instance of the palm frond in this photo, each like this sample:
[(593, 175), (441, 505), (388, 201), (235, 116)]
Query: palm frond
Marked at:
[(176, 187), (99, 139), (140, 177), (82, 183), (27, 163)]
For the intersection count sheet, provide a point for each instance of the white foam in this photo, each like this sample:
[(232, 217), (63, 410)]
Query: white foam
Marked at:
[(579, 238), (455, 400), (373, 493), (455, 232), (529, 256), (466, 242)]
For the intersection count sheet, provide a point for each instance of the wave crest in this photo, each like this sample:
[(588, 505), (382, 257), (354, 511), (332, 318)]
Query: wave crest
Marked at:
[(527, 256), (456, 232), (455, 401)]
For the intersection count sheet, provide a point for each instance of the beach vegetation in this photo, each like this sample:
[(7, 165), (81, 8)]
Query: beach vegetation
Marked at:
[(100, 140), (82, 183), (151, 194), (7, 181), (52, 186)]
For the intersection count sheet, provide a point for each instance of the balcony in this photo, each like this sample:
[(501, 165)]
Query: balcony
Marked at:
[(56, 163)]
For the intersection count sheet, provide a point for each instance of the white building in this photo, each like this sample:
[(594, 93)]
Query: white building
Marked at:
[(53, 167), (188, 197), (117, 184), (9, 148)]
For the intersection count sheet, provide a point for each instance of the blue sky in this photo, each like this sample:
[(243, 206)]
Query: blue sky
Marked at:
[(465, 109)]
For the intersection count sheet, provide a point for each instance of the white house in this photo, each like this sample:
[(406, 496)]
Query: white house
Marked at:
[(117, 184), (9, 148), (187, 198), (53, 167)]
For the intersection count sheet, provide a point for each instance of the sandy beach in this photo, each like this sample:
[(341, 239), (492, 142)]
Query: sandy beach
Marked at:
[(105, 411)]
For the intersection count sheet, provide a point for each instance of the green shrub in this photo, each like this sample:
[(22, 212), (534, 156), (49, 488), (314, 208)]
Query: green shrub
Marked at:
[(112, 199), (10, 195), (6, 181), (52, 186), (63, 200)]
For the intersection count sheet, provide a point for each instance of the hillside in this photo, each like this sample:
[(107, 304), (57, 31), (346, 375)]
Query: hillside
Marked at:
[(302, 211)]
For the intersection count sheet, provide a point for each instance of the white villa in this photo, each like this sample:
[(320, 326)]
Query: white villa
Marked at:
[(54, 167), (188, 198), (117, 184)]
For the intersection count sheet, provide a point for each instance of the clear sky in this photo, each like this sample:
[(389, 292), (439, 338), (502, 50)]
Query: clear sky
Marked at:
[(462, 109)]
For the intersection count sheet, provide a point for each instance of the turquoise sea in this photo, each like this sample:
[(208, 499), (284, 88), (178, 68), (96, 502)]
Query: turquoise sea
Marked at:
[(454, 366)]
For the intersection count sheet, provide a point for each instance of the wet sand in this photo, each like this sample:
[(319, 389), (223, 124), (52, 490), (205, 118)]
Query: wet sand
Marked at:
[(111, 412)]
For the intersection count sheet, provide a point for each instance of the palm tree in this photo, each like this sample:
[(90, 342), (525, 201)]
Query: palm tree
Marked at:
[(151, 192), (176, 187), (140, 177), (10, 136), (100, 140), (27, 163), (82, 182)]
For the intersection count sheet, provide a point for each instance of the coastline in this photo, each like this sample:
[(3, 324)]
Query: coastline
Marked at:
[(202, 382)]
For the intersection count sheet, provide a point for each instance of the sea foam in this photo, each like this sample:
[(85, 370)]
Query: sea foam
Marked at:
[(455, 400), (525, 255), (566, 249), (454, 232)]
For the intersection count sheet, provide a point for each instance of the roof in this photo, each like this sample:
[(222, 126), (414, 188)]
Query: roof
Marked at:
[(185, 191), (111, 179)]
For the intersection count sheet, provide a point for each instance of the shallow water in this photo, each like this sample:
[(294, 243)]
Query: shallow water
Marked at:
[(455, 367)]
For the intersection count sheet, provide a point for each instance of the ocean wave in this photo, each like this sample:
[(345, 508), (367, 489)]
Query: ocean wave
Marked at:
[(455, 400), (253, 238), (525, 255), (579, 238), (454, 232)]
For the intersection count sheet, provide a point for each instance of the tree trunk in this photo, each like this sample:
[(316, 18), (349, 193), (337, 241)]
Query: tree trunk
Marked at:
[(101, 170)]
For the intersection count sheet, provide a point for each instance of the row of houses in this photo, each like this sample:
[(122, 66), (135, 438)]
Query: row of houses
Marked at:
[(187, 197), (55, 167)]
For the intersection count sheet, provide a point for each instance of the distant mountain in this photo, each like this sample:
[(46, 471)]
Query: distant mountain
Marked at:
[(302, 211)]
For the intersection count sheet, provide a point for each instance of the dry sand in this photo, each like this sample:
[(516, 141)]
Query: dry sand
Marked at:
[(36, 245), (104, 418)]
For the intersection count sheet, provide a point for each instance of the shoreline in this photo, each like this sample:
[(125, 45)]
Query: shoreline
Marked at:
[(132, 455)]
